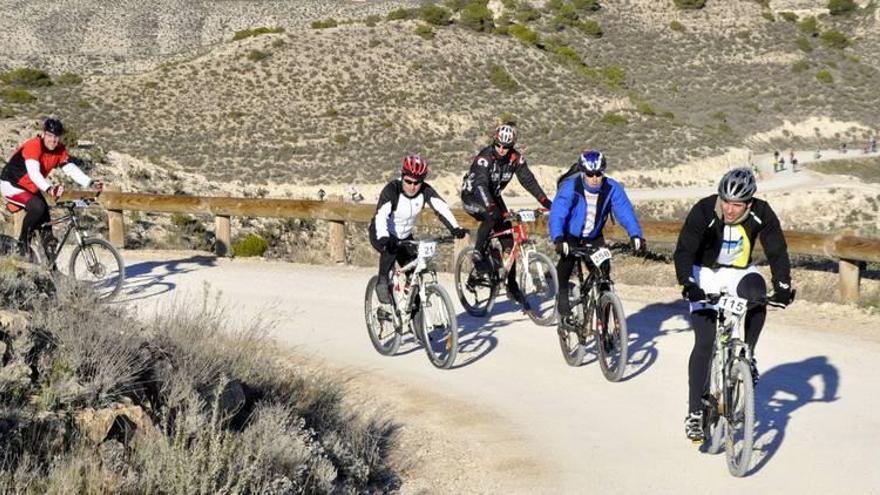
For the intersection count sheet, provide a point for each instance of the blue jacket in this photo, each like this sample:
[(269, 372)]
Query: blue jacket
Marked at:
[(569, 211)]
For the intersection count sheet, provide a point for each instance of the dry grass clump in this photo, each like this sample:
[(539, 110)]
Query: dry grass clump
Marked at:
[(211, 405)]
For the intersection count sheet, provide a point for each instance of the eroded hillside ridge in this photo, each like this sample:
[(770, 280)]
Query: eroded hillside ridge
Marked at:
[(129, 35)]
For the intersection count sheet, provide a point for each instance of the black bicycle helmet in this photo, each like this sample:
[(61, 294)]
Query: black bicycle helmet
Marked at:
[(54, 126)]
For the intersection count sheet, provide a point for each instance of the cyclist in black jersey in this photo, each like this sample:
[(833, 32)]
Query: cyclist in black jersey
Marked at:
[(714, 252), (491, 171), (398, 208)]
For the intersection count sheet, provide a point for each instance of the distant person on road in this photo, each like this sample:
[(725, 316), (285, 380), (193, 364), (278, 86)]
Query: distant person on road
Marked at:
[(492, 169), (321, 194), (873, 144), (23, 180), (714, 254), (580, 209), (399, 206)]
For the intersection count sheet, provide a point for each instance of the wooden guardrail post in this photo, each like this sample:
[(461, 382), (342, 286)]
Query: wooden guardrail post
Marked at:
[(849, 281), (223, 235), (116, 224), (337, 241)]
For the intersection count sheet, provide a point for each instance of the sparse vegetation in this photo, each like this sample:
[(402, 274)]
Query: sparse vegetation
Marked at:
[(789, 16), (825, 76), (501, 79), (809, 26), (690, 4), (614, 119), (402, 14), (840, 7), (834, 39), (477, 16), (69, 79), (12, 95), (324, 24), (525, 35), (436, 15), (676, 26), (251, 245), (424, 31), (248, 33), (26, 78), (257, 55)]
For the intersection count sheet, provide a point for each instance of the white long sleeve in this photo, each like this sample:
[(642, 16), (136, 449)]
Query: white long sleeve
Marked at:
[(76, 174), (36, 175)]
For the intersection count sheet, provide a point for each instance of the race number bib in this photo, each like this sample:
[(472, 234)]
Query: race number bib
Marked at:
[(427, 249), (527, 216), (733, 304), (600, 256)]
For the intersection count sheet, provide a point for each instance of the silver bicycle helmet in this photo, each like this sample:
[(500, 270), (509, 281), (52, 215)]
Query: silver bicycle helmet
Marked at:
[(738, 184)]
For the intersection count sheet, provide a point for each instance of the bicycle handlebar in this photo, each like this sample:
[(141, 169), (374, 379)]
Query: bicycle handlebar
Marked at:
[(75, 203)]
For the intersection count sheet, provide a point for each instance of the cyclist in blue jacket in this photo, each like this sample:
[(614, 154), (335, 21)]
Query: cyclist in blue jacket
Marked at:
[(582, 204)]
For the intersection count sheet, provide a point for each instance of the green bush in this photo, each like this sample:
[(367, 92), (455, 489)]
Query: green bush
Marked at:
[(825, 76), (477, 16), (436, 15), (455, 5), (324, 24), (689, 4), (27, 78), (12, 95), (6, 113), (247, 33), (424, 31), (590, 28), (525, 35), (567, 54), (615, 76), (69, 79), (402, 14), (834, 39), (768, 15), (789, 16), (257, 55), (527, 13), (501, 79), (838, 7), (502, 24), (372, 20), (252, 245), (645, 108), (613, 118), (676, 26), (809, 26), (800, 66), (804, 44), (586, 5)]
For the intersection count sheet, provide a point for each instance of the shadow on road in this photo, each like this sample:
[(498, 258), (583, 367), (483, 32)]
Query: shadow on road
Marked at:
[(781, 391), (644, 328), (476, 335), (149, 278)]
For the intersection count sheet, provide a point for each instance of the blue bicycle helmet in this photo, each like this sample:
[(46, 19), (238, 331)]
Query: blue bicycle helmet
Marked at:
[(592, 161)]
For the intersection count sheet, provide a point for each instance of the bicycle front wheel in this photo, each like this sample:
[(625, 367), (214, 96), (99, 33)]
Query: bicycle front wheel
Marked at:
[(540, 286), (97, 264), (475, 291), (740, 418), (440, 337), (380, 322), (611, 336)]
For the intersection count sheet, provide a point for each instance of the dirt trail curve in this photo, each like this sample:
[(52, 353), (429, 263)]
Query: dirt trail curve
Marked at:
[(512, 417)]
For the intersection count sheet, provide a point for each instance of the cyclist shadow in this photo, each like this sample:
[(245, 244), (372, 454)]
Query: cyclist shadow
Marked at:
[(645, 328), (781, 391), (149, 278)]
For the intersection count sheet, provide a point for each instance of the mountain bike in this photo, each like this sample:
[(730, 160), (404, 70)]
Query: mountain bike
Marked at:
[(597, 313), (94, 262), (537, 275), (419, 304), (729, 408)]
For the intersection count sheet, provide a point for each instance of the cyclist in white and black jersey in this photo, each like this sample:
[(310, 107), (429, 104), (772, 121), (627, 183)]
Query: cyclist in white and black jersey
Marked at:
[(398, 208), (714, 252)]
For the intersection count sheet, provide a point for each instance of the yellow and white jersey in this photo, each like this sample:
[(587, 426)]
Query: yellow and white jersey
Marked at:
[(736, 249)]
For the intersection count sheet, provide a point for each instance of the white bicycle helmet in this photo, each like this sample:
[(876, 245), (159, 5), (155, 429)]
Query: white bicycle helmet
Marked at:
[(738, 184), (505, 135)]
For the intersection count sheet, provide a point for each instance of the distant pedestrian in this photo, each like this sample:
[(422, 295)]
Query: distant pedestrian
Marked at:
[(873, 144), (321, 194), (843, 148)]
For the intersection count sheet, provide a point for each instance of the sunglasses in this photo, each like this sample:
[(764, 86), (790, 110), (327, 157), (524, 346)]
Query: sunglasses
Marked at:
[(593, 173), (504, 146), (412, 182)]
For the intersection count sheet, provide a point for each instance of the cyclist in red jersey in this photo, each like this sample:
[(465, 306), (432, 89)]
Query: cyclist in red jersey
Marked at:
[(25, 176)]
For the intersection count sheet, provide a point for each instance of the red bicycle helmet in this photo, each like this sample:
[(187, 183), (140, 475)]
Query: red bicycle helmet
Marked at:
[(414, 166)]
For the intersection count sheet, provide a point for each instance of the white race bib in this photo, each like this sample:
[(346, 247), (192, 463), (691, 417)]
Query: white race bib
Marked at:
[(527, 216), (427, 249), (733, 304), (600, 256)]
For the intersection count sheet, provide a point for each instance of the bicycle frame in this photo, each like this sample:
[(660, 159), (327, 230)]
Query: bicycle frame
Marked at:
[(72, 226), (728, 347), (522, 246), (589, 288), (413, 274)]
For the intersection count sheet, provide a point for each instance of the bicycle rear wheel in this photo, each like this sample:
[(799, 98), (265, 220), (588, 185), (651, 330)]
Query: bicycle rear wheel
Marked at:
[(475, 291), (740, 418), (380, 323), (97, 264), (611, 336), (440, 337), (540, 288)]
